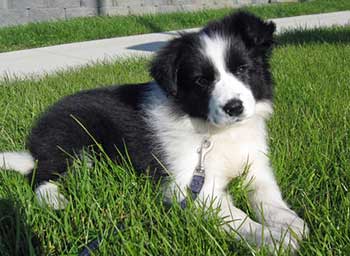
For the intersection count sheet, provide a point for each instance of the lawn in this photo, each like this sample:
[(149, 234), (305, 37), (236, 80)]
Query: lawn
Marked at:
[(310, 149), (90, 28)]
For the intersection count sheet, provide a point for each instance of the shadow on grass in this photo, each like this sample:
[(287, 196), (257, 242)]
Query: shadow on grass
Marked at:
[(16, 237), (148, 47), (317, 36)]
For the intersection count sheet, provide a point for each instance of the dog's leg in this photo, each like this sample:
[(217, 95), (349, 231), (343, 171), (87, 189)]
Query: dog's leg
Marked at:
[(238, 221), (47, 193), (266, 199)]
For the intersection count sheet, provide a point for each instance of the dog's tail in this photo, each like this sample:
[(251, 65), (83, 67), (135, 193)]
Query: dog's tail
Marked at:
[(21, 162)]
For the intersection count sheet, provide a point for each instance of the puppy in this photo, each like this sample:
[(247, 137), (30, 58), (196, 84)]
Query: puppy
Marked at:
[(201, 123)]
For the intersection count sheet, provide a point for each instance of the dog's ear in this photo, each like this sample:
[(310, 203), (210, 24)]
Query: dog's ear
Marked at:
[(164, 66), (255, 32)]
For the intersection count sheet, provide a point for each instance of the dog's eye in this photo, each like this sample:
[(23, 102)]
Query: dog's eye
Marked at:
[(241, 69), (201, 81)]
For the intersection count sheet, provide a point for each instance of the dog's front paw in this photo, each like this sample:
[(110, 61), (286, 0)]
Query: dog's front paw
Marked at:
[(299, 227), (277, 240), (288, 219)]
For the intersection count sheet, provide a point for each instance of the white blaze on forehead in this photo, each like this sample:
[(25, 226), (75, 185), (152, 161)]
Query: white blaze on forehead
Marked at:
[(214, 49), (227, 86)]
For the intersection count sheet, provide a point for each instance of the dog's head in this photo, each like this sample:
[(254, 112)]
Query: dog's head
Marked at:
[(221, 72)]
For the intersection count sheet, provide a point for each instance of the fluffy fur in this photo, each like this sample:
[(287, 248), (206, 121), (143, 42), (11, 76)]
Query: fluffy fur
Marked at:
[(214, 83)]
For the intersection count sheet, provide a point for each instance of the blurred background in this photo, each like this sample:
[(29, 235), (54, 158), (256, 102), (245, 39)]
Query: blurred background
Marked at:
[(13, 12)]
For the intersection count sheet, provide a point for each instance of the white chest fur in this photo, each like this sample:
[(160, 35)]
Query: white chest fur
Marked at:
[(180, 137)]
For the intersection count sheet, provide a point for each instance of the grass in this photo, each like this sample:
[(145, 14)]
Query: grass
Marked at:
[(83, 29), (310, 149)]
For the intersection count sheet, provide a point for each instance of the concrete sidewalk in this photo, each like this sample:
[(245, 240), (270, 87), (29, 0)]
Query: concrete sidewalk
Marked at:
[(46, 60)]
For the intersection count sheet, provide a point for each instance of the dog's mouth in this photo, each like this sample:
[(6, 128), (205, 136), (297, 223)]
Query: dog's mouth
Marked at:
[(226, 122)]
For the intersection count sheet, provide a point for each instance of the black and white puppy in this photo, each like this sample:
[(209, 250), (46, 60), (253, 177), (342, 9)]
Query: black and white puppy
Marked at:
[(213, 84)]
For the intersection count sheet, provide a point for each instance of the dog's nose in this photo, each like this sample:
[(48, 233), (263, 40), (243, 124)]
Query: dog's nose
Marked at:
[(234, 107)]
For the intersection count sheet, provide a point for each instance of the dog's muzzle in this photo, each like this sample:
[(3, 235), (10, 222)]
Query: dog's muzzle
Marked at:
[(233, 108)]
